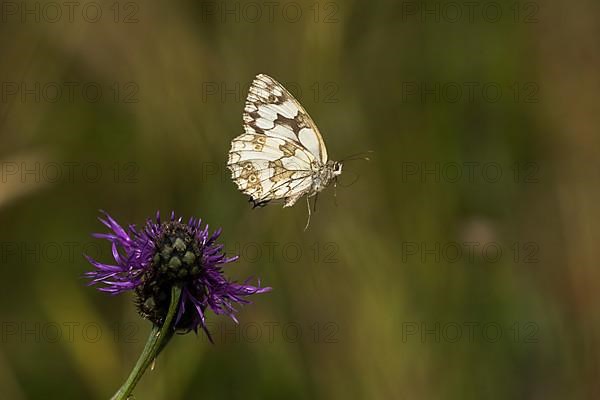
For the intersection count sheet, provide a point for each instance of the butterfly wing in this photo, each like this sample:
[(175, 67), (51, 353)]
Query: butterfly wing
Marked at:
[(270, 109), (269, 168), (274, 159)]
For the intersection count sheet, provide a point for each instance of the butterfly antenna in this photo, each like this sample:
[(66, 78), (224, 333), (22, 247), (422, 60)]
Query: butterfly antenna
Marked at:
[(358, 156), (315, 202), (308, 206)]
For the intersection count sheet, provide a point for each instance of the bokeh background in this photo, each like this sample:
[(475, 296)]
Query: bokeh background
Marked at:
[(133, 110)]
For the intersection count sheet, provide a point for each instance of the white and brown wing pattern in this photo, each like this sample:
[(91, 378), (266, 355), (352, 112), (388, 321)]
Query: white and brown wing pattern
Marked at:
[(281, 148), (272, 110), (269, 168)]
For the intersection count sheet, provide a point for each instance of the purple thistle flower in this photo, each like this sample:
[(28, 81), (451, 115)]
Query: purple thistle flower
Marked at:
[(150, 261)]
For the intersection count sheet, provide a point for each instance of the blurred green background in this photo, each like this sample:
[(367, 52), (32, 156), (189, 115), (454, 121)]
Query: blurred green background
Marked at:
[(133, 110)]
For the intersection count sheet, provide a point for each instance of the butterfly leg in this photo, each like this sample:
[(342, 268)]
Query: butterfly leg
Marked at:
[(335, 192), (258, 203), (308, 206)]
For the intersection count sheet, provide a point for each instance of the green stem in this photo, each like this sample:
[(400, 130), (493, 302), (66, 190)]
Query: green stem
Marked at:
[(158, 339)]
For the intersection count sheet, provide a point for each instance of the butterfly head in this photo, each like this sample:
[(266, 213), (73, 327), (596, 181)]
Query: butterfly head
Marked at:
[(336, 167), (325, 174)]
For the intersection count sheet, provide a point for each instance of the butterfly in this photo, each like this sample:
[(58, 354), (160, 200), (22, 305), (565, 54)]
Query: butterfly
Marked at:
[(281, 155)]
